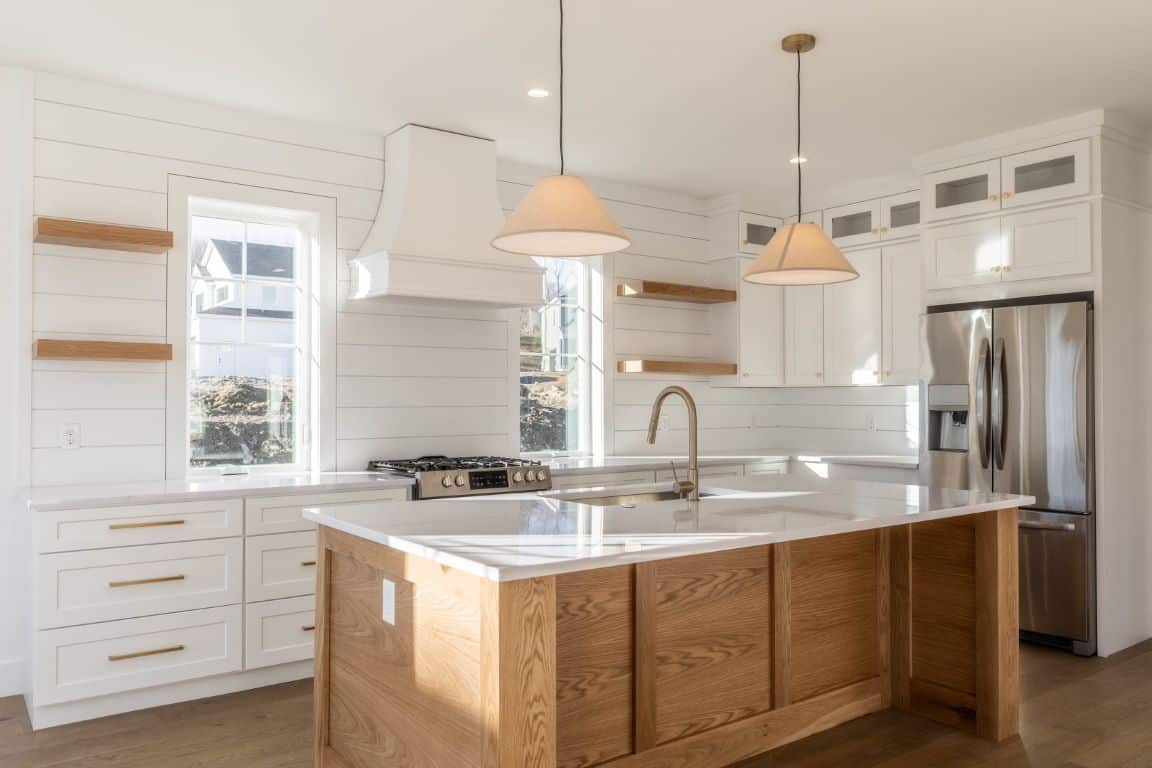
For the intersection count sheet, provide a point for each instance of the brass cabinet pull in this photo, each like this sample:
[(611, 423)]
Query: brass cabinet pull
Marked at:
[(138, 582), (993, 198), (306, 563), (1006, 195), (308, 627), (150, 524), (140, 654)]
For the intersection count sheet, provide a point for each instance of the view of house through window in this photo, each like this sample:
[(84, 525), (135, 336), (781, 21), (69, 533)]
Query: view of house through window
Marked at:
[(245, 342), (554, 411)]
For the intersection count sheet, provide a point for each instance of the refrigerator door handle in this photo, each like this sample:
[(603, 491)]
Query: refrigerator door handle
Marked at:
[(1064, 527), (999, 405), (983, 408)]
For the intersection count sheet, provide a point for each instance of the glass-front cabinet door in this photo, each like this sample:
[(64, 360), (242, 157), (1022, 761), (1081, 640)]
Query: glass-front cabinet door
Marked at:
[(1045, 174), (963, 191), (900, 215), (856, 224), (755, 232)]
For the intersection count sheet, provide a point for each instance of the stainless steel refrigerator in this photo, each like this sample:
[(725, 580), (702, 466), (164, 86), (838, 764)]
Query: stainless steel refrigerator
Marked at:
[(1006, 405)]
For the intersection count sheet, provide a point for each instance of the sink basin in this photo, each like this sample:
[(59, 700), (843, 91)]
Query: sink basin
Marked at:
[(631, 499)]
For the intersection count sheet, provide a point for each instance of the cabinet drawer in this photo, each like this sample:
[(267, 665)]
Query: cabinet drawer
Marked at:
[(108, 584), (727, 471), (600, 479), (280, 565), (777, 468), (72, 529), (98, 659), (279, 631), (281, 514)]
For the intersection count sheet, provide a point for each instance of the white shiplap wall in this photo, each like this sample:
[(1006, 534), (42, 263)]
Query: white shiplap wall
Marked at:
[(412, 377)]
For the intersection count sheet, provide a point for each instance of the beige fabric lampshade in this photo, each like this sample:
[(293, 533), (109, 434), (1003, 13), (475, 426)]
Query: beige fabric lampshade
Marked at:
[(800, 254), (561, 216)]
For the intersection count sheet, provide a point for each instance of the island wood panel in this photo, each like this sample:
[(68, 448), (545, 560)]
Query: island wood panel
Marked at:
[(829, 599), (527, 659), (703, 643), (594, 656), (997, 625)]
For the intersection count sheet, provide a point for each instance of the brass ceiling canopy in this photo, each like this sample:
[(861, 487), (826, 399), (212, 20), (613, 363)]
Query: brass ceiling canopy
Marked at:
[(799, 43)]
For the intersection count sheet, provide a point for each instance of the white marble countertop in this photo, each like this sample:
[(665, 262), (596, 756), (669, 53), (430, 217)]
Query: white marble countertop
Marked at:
[(505, 539), (288, 483), (620, 463)]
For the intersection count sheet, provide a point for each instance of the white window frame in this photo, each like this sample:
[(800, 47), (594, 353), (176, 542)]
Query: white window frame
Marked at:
[(592, 373), (315, 215)]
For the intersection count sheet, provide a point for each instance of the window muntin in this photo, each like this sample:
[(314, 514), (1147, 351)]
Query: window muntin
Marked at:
[(246, 373), (555, 412)]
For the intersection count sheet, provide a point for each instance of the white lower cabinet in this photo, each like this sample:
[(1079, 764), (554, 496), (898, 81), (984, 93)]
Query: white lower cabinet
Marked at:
[(110, 657), (282, 514), (565, 481), (107, 584), (279, 631), (804, 335), (279, 565), (852, 323), (73, 529), (901, 313), (713, 474)]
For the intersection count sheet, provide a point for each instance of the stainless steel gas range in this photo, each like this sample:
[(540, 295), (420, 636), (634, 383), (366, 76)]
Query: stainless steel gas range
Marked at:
[(441, 477)]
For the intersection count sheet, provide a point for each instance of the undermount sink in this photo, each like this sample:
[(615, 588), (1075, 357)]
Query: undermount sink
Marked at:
[(632, 499)]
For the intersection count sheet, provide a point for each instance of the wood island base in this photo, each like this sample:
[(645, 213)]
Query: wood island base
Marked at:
[(697, 661)]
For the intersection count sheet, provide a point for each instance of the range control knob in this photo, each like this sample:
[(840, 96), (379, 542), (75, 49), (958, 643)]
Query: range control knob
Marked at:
[(541, 475), (446, 481), (533, 476), (460, 481), (517, 477)]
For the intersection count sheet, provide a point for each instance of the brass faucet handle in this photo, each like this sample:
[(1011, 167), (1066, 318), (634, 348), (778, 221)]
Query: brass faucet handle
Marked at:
[(684, 487)]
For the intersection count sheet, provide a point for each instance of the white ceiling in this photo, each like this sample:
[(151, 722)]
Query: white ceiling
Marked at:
[(680, 94)]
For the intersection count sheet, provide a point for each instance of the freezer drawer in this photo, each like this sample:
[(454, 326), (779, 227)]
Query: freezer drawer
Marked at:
[(1056, 574)]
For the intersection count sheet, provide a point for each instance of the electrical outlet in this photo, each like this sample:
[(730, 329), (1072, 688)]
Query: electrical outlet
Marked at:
[(70, 436)]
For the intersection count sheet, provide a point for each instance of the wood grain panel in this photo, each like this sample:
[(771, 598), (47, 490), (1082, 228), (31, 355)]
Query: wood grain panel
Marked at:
[(834, 603), (409, 693), (528, 673), (109, 236), (704, 627), (652, 289), (901, 630), (688, 367), (997, 564), (943, 603), (594, 682)]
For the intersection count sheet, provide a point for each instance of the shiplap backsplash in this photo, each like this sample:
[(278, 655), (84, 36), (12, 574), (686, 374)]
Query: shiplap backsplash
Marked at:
[(413, 377)]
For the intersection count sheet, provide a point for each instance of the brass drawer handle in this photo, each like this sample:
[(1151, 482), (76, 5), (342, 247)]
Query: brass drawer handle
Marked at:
[(306, 563), (151, 524), (138, 582), (308, 627), (141, 654)]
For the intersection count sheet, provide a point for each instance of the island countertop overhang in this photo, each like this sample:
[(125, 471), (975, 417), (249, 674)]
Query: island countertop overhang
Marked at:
[(506, 539)]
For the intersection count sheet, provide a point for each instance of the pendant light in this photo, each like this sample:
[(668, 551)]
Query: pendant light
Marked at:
[(800, 253), (561, 216)]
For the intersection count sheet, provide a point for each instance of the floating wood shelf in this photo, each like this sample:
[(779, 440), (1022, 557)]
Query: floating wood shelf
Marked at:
[(107, 236), (65, 349), (695, 294), (676, 366)]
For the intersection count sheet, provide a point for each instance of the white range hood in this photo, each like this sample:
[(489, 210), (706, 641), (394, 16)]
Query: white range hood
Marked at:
[(438, 214)]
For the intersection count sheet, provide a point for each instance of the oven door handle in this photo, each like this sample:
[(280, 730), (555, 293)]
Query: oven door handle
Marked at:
[(1060, 527)]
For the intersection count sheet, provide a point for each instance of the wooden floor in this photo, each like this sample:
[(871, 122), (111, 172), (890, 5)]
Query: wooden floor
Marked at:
[(1076, 713)]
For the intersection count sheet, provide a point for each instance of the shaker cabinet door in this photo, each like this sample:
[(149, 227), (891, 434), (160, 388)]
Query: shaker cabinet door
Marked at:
[(901, 310), (761, 333), (1051, 173), (804, 335), (969, 253), (852, 324), (963, 191), (1050, 242)]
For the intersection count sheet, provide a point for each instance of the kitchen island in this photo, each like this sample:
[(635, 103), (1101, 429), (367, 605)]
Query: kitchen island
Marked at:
[(500, 632)]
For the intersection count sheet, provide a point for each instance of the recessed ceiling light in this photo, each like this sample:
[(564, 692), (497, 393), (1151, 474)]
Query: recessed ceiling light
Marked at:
[(798, 159), (538, 93)]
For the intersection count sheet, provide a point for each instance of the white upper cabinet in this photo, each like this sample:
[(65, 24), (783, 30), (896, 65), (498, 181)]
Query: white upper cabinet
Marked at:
[(756, 231), (902, 265), (1046, 174), (804, 335), (900, 215), (856, 224), (760, 347), (809, 217), (963, 191), (852, 323), (968, 253), (1050, 242)]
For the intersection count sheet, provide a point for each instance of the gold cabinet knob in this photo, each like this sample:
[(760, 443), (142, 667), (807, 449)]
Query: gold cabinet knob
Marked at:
[(1006, 195), (743, 242), (747, 375), (994, 269), (993, 198), (887, 374), (1006, 268), (819, 375)]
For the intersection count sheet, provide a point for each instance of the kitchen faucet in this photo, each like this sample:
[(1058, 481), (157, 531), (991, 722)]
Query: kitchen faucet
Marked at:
[(690, 487)]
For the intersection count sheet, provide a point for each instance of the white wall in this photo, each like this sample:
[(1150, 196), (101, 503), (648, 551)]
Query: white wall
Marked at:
[(15, 236)]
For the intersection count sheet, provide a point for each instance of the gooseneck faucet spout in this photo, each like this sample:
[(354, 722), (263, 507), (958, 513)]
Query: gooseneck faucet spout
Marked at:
[(692, 486)]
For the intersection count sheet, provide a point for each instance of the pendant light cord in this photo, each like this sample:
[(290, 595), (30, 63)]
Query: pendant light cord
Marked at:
[(561, 87), (799, 157)]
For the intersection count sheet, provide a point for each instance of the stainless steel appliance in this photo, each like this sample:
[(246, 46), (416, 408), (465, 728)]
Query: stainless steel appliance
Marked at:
[(441, 477), (1006, 405)]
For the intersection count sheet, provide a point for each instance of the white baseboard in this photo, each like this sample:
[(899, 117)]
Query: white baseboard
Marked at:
[(88, 709), (11, 677)]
